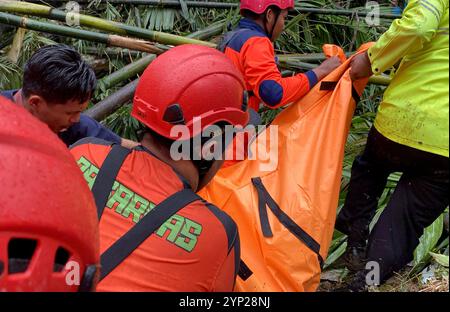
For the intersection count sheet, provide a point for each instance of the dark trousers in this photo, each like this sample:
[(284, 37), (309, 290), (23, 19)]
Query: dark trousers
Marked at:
[(420, 197)]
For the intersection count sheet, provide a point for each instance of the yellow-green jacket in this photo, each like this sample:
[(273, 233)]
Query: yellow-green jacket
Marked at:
[(414, 110)]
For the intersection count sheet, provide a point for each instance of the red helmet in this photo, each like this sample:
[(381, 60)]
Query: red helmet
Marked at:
[(260, 6), (190, 81), (48, 223)]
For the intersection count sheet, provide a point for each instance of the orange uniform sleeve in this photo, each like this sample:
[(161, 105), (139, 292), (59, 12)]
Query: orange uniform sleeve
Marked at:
[(226, 276), (262, 74)]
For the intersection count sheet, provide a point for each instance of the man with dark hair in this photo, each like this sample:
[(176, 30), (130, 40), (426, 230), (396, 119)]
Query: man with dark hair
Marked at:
[(250, 47), (57, 86)]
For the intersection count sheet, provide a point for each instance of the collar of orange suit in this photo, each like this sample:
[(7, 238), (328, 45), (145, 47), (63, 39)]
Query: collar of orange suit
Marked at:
[(249, 24)]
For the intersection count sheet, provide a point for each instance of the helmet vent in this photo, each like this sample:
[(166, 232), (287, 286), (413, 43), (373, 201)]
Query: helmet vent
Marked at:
[(61, 258), (174, 115), (20, 253)]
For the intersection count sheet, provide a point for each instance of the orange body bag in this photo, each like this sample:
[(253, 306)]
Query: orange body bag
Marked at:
[(284, 201)]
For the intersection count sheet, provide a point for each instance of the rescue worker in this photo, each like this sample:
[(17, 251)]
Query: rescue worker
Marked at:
[(410, 135), (156, 234), (57, 86), (250, 47), (48, 224)]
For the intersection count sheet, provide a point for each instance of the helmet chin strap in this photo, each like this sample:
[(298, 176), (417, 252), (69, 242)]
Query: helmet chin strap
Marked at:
[(270, 34)]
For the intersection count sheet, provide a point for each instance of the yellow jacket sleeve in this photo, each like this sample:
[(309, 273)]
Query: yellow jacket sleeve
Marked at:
[(418, 25)]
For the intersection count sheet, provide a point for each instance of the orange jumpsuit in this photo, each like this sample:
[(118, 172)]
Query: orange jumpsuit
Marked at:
[(197, 249)]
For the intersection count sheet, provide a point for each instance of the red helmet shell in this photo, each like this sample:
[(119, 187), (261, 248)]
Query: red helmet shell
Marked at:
[(260, 6), (44, 200), (190, 81)]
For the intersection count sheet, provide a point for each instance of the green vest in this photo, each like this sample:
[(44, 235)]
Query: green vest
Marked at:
[(414, 110)]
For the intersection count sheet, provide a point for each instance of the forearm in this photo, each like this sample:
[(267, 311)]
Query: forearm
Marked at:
[(407, 35), (296, 87)]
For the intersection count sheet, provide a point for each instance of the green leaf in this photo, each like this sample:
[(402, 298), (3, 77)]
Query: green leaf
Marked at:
[(7, 71), (429, 240), (441, 259), (185, 11), (335, 255), (146, 19), (168, 19), (159, 17)]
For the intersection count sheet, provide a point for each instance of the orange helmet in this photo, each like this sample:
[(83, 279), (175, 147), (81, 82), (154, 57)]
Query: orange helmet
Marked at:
[(48, 222), (190, 81)]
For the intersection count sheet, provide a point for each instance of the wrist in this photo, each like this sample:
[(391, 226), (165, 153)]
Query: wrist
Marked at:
[(369, 62), (320, 73)]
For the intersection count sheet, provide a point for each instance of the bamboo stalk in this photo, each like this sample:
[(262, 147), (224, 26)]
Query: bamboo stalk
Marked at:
[(112, 40), (104, 108), (308, 57), (233, 5), (113, 51), (27, 23), (126, 72), (380, 80), (215, 29), (97, 23), (298, 65), (16, 46), (208, 32), (133, 44)]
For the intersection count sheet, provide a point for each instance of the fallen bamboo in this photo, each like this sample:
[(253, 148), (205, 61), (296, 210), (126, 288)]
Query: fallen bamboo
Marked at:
[(208, 32), (307, 57), (111, 40), (104, 108), (233, 5), (126, 72), (101, 24), (27, 8)]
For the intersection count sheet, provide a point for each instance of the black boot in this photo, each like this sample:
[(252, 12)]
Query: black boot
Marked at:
[(355, 258), (358, 282)]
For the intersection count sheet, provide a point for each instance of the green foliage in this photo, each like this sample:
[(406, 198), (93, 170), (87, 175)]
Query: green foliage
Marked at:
[(123, 124), (32, 42), (9, 73), (429, 240), (441, 259)]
